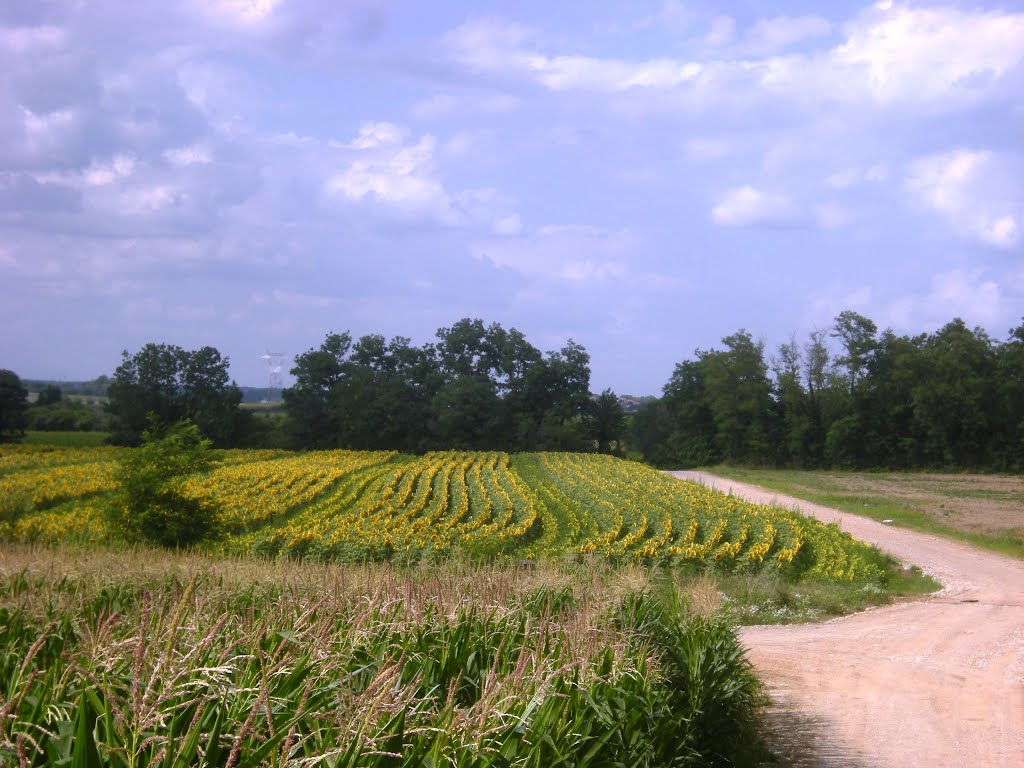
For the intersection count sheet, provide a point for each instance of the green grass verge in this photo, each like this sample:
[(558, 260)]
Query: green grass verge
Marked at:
[(818, 487), (66, 439)]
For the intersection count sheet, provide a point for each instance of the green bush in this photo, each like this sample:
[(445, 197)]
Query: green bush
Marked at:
[(149, 505)]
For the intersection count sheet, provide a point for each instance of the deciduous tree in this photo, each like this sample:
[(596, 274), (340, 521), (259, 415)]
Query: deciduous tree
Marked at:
[(173, 384), (13, 404)]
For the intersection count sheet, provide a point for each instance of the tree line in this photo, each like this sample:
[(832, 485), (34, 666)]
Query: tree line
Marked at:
[(848, 396), (477, 387), (950, 399)]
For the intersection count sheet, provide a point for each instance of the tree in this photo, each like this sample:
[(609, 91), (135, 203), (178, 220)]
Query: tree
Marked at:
[(1008, 442), (953, 401), (688, 439), (607, 421), (858, 336), (51, 394), (174, 384), (792, 403), (13, 404), (311, 421), (150, 505), (739, 395)]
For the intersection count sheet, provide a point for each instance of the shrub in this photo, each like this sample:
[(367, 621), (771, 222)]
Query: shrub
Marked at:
[(150, 505)]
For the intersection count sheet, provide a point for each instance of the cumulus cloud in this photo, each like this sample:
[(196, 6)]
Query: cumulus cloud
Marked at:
[(906, 54), (771, 35), (400, 177), (20, 40), (569, 253), (966, 293), (493, 46), (195, 154), (747, 206), (891, 56), (722, 31), (373, 135), (980, 193), (851, 177), (508, 225)]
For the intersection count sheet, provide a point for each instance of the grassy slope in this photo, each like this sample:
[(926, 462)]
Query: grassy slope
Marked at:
[(865, 494)]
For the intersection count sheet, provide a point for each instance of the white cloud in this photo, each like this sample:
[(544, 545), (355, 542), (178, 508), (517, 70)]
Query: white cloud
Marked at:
[(372, 135), (895, 59), (508, 225), (103, 174), (831, 215), (241, 12), (979, 192), (150, 198), (195, 154), (290, 299), (571, 253), (20, 40), (769, 35), (969, 294), (401, 178), (704, 149), (582, 72), (438, 106), (45, 131), (904, 54), (746, 206), (722, 32), (495, 47), (672, 14), (851, 177)]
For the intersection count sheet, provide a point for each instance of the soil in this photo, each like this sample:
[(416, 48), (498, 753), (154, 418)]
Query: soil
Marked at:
[(989, 504), (934, 682)]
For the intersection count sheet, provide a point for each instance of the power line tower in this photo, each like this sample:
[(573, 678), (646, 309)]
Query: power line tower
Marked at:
[(275, 362)]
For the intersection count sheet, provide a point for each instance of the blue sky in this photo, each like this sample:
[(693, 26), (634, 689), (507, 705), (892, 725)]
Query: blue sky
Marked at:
[(644, 178)]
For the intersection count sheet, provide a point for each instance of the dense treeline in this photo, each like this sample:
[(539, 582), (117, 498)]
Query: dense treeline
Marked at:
[(954, 398), (477, 387), (848, 396)]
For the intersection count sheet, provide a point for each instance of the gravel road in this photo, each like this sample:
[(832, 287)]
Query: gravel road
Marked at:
[(930, 683)]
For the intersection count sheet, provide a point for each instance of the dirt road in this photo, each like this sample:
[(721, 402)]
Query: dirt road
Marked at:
[(931, 683)]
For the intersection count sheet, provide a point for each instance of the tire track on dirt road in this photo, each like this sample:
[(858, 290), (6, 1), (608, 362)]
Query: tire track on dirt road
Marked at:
[(925, 684)]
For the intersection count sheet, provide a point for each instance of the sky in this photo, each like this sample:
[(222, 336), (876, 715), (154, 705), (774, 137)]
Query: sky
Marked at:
[(644, 178)]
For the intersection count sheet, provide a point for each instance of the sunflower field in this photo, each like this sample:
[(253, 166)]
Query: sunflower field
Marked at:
[(362, 506)]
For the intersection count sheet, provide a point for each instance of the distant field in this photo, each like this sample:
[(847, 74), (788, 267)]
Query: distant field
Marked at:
[(67, 439), (985, 510)]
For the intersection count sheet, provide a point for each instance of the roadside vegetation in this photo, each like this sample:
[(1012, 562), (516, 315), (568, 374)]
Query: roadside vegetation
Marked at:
[(984, 510)]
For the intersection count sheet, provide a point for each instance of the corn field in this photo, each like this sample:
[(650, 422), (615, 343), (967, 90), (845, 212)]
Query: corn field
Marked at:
[(145, 658)]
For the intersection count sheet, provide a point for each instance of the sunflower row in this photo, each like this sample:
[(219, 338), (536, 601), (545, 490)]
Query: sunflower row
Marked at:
[(622, 509), (251, 493), (22, 458), (375, 505)]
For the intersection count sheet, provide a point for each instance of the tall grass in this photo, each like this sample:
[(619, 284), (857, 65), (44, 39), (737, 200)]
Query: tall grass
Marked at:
[(142, 658)]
